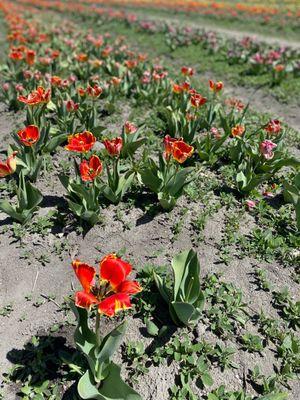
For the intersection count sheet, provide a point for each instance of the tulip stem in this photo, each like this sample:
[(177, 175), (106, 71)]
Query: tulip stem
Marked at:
[(98, 328)]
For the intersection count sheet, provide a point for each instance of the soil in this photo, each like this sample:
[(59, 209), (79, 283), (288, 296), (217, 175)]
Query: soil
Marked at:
[(145, 240)]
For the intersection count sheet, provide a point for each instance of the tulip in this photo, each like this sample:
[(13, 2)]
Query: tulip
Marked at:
[(110, 290), (237, 130), (181, 151), (29, 136), (115, 81), (30, 57), (38, 96), (168, 143), (5, 87), (187, 71), (216, 86), (197, 100), (9, 166), (81, 142), (71, 106), (266, 149), (129, 127), (216, 133), (94, 91), (114, 146), (89, 170), (273, 126), (82, 57), (250, 204)]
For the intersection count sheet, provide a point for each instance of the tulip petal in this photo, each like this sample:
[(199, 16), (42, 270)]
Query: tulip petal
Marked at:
[(113, 304), (114, 270), (85, 300), (129, 287), (85, 274)]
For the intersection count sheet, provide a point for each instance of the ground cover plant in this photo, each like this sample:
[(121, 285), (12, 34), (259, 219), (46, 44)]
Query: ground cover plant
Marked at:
[(149, 221)]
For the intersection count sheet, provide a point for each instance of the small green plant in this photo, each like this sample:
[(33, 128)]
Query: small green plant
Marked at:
[(252, 343), (134, 354)]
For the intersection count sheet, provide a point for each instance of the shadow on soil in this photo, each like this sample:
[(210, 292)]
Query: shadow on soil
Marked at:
[(45, 358)]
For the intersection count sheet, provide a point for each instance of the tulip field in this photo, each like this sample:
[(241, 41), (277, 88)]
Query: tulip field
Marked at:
[(149, 200)]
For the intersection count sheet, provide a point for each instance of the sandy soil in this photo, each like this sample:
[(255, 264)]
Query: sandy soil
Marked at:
[(147, 241)]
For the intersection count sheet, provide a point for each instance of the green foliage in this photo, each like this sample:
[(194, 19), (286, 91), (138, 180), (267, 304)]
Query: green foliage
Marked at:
[(102, 381), (82, 199), (166, 180), (291, 194), (185, 299), (28, 199)]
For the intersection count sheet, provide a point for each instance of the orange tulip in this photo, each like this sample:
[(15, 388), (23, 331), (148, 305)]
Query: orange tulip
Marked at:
[(181, 151), (237, 130), (38, 96), (216, 86)]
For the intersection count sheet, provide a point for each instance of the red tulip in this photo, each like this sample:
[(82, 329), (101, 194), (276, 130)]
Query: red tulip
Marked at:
[(9, 166), (30, 57), (94, 91), (129, 127), (177, 148), (89, 170), (273, 126), (110, 290), (114, 146), (216, 86), (81, 142), (29, 136), (197, 100), (71, 106), (187, 71)]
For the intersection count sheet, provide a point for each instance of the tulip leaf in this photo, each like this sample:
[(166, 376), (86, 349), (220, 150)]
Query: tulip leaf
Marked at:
[(98, 130), (84, 337), (188, 298), (111, 342), (54, 142), (161, 287), (112, 388), (183, 311), (176, 184)]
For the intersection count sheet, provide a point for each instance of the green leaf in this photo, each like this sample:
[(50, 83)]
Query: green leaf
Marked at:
[(183, 311), (54, 142), (207, 379), (113, 387), (152, 329), (176, 184), (84, 337), (161, 287), (241, 179), (98, 130), (111, 342)]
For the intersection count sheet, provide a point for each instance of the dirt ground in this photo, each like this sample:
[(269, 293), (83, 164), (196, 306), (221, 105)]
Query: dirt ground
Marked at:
[(147, 241)]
